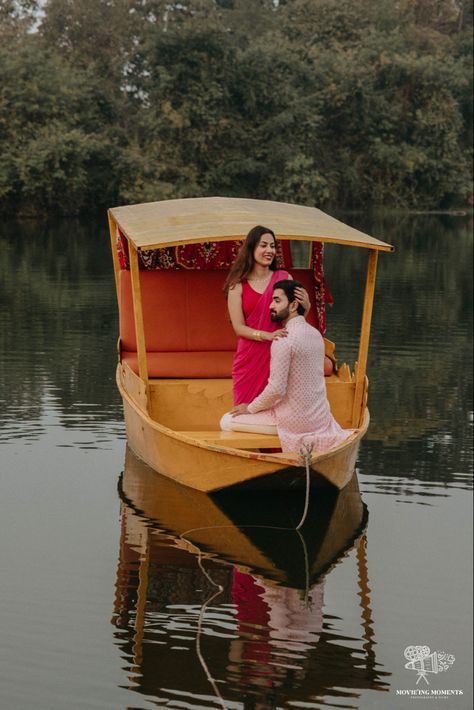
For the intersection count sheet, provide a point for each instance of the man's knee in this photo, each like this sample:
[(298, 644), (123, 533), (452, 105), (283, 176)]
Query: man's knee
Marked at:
[(226, 421), (250, 423)]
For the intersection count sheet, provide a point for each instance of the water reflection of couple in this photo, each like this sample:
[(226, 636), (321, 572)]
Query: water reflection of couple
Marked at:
[(276, 631), (278, 370)]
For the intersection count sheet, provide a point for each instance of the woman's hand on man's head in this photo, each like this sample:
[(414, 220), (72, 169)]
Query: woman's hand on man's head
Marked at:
[(302, 297)]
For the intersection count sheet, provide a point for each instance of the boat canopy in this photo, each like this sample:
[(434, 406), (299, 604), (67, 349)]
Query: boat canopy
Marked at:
[(154, 225)]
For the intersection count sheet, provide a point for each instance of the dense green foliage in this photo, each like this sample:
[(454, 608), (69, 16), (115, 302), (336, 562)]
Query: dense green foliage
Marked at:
[(322, 102)]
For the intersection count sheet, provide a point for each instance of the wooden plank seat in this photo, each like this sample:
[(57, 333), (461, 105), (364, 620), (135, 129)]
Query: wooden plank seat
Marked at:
[(235, 439)]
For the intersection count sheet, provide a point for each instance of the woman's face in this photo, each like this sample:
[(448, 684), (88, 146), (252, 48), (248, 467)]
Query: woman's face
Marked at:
[(265, 250)]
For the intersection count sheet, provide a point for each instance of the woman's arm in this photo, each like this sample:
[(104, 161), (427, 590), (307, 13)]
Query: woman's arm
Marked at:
[(234, 304), (302, 297)]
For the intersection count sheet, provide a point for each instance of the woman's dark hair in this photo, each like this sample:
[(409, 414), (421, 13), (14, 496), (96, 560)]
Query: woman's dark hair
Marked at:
[(288, 286), (244, 262)]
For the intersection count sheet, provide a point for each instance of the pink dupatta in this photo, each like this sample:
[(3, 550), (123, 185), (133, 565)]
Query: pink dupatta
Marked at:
[(251, 368)]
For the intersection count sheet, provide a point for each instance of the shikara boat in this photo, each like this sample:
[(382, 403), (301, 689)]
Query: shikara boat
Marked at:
[(174, 369)]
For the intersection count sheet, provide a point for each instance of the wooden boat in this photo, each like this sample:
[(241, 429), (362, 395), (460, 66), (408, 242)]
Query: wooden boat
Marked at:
[(174, 375)]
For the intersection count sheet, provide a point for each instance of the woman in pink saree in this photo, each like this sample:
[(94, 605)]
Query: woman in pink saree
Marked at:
[(249, 288)]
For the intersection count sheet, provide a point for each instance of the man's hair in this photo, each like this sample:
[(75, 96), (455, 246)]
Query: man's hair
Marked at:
[(288, 286)]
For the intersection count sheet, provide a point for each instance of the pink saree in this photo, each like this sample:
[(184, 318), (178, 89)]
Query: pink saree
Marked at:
[(251, 368)]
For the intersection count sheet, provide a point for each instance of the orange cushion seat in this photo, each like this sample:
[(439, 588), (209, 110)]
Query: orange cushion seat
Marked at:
[(188, 364)]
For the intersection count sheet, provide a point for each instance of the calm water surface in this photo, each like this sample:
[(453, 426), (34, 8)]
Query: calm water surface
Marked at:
[(112, 595)]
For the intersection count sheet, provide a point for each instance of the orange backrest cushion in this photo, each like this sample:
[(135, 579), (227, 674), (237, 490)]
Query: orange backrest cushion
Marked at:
[(184, 311)]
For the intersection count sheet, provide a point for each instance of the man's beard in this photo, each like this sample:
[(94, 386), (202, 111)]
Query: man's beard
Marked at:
[(278, 317)]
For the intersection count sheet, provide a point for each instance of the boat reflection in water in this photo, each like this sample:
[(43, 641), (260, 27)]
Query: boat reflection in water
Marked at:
[(219, 600)]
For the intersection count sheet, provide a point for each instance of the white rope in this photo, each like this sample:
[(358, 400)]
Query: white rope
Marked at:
[(305, 452)]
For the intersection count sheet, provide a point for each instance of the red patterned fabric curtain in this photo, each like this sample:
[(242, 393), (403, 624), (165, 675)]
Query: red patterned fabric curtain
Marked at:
[(207, 256), (122, 250), (321, 291)]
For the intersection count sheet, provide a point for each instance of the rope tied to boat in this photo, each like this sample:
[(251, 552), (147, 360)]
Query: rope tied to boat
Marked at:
[(306, 455)]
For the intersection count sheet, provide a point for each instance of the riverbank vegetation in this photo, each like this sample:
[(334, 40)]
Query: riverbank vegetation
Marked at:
[(321, 102)]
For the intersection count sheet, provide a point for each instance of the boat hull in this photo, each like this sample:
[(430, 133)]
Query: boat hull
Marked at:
[(211, 468)]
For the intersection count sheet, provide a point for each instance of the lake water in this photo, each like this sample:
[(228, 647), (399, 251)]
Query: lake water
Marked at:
[(107, 600)]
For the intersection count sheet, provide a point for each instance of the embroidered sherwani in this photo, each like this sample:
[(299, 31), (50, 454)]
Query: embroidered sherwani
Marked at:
[(295, 397)]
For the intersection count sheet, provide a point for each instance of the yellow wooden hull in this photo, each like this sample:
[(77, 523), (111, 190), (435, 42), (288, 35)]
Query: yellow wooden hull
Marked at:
[(208, 466)]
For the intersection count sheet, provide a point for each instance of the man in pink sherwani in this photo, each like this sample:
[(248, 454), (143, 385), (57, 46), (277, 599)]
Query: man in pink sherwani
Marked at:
[(294, 403)]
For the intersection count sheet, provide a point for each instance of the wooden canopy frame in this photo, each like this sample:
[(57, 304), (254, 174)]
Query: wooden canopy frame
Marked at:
[(208, 219), (169, 223)]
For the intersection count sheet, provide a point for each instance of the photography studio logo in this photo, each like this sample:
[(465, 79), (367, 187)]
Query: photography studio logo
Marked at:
[(425, 663)]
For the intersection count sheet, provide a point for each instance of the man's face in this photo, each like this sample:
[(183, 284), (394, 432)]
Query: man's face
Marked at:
[(280, 306)]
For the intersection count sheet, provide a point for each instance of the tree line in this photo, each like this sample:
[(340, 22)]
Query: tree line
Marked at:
[(353, 103)]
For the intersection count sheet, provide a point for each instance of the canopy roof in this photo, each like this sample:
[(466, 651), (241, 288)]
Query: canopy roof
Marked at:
[(171, 222)]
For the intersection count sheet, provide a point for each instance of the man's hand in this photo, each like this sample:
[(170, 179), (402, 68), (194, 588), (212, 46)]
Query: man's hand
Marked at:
[(240, 409)]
